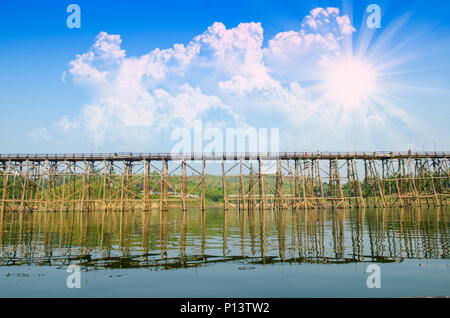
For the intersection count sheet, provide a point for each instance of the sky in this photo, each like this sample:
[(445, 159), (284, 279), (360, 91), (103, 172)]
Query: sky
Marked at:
[(136, 71)]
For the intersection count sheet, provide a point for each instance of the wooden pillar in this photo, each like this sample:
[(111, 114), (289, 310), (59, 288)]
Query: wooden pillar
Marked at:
[(348, 194), (6, 168), (383, 179), (33, 189), (354, 185), (63, 195), (377, 181), (203, 189), (241, 187), (297, 185), (279, 186), (359, 187), (304, 185), (251, 187), (52, 185), (339, 191), (398, 180), (105, 181), (310, 183), (330, 175), (224, 188), (433, 187), (319, 180), (131, 186), (47, 185), (23, 179), (74, 189), (90, 172), (183, 186), (404, 184), (146, 186), (125, 187), (291, 186), (366, 182), (164, 195), (122, 187), (113, 193), (312, 180), (412, 183), (262, 197)]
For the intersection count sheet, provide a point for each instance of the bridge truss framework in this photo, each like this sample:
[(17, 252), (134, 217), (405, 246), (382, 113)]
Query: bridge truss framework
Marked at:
[(130, 181)]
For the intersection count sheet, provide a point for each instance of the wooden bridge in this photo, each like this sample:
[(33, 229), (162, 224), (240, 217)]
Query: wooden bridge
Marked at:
[(303, 180)]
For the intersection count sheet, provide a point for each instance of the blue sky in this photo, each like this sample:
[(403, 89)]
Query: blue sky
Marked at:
[(41, 112)]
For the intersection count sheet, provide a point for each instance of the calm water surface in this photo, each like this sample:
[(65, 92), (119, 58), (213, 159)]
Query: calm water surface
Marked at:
[(216, 254)]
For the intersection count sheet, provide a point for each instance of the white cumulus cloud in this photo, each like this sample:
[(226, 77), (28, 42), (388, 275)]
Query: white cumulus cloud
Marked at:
[(224, 75)]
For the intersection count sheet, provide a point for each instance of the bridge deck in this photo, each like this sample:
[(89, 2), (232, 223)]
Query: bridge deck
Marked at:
[(129, 156)]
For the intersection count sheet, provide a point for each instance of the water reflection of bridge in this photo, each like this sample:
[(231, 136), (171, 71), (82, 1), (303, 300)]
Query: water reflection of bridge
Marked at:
[(172, 240), (129, 181)]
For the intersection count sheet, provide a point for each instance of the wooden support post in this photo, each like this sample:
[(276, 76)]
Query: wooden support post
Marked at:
[(310, 183), (404, 187), (123, 187), (47, 185), (203, 187), (291, 186), (183, 186), (131, 186), (377, 183), (433, 187), (330, 175), (56, 178), (412, 184), (262, 190), (398, 183), (280, 199), (224, 187), (22, 190), (241, 187), (361, 197), (74, 189), (33, 189), (90, 171), (105, 180), (5, 184), (277, 186), (304, 181), (112, 192), (319, 181), (422, 187), (349, 185), (63, 195), (164, 195), (390, 169), (342, 202), (297, 184), (383, 181), (13, 187), (366, 182), (251, 192), (146, 186)]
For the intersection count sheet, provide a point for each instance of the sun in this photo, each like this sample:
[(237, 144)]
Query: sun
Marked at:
[(349, 81)]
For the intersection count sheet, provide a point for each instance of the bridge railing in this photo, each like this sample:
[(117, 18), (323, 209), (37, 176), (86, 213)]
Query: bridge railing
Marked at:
[(213, 155)]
